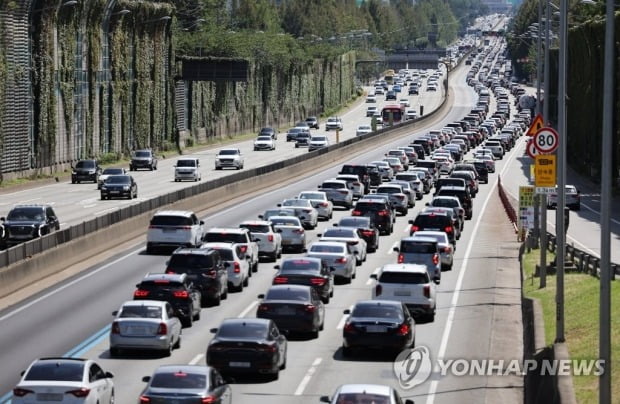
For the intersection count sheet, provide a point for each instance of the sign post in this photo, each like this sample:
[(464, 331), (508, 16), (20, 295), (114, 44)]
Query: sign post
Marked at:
[(544, 171), (526, 207)]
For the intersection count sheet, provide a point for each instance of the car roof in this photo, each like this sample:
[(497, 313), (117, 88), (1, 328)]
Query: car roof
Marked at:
[(163, 276), (428, 233), (330, 243), (291, 287), (420, 239), (190, 250), (160, 303), (201, 369), (236, 230), (247, 320), (256, 222), (378, 389), (218, 245), (185, 213), (418, 268)]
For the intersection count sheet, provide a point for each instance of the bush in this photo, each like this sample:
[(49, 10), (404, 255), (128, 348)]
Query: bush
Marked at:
[(109, 158)]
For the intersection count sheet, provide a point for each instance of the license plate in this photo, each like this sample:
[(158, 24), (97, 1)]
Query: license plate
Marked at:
[(285, 310), (49, 397), (115, 192), (170, 230), (432, 229), (239, 364), (376, 328), (136, 330), (402, 293)]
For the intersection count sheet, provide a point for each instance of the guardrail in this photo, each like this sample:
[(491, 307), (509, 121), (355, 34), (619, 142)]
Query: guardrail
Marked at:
[(510, 210), (581, 261)]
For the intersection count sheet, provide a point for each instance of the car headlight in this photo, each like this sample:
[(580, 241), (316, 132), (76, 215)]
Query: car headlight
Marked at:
[(125, 187), (104, 188), (73, 172)]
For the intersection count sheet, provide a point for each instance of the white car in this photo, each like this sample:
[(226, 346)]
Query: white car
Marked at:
[(304, 210), (333, 123), (347, 235), (407, 283), (371, 98), (370, 111), (404, 102), (174, 228), (269, 240), (319, 200), (238, 268), (363, 130), (187, 168), (229, 157), (107, 172), (64, 380), (411, 114), (354, 184), (138, 326), (317, 142), (292, 232), (365, 393), (264, 143)]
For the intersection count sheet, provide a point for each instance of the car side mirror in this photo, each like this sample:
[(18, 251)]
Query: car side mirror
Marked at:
[(332, 269), (319, 235), (436, 280), (227, 264), (426, 204), (108, 375), (146, 379), (213, 330), (261, 296), (409, 402), (279, 205), (137, 285), (396, 249), (335, 224), (304, 250), (260, 216), (278, 230), (202, 222), (325, 399), (346, 311), (411, 221), (373, 276), (115, 313)]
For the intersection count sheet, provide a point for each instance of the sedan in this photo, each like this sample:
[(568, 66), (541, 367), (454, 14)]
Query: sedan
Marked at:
[(276, 212), (247, 345), (378, 324), (306, 271), (363, 130), (386, 171), (107, 172), (64, 380), (119, 186), (365, 228), (350, 236), (365, 393), (395, 164), (294, 308), (411, 114), (145, 325), (337, 255), (489, 161), (264, 143), (446, 248), (324, 206), (304, 211), (196, 384), (292, 232), (318, 142)]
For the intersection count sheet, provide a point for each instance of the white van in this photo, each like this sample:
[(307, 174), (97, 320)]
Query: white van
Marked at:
[(187, 168), (172, 229)]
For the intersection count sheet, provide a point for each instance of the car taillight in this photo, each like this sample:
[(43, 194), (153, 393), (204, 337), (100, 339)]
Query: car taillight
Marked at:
[(447, 249), (318, 281), (243, 248), (448, 229), (181, 294), (403, 329), (210, 274), (263, 307), (83, 392), (348, 327), (401, 258), (209, 400), (270, 237), (169, 271), (383, 213), (154, 227), (237, 268), (162, 329), (141, 293), (342, 260), (299, 231), (401, 197), (21, 392), (145, 399), (435, 259), (378, 290), (427, 291), (357, 184), (368, 233), (116, 328), (414, 228), (344, 192), (323, 204), (278, 280), (267, 348), (356, 213), (309, 308)]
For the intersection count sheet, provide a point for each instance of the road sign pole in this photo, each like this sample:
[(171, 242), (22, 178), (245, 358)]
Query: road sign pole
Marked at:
[(543, 241)]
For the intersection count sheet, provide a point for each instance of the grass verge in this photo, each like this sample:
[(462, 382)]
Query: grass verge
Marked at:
[(581, 320)]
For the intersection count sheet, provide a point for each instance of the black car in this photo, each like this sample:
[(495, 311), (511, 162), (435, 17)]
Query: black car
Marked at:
[(247, 345), (85, 170), (390, 95), (205, 268), (464, 197), (435, 221), (294, 308), (312, 122), (119, 186), (144, 158), (306, 271), (414, 90), (379, 211), (302, 139), (176, 289), (425, 145), (449, 181), (366, 174), (366, 229), (269, 132), (482, 170), (27, 222), (420, 150), (378, 324), (200, 384)]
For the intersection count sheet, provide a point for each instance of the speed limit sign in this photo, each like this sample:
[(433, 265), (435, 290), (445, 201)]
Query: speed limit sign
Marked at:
[(546, 140)]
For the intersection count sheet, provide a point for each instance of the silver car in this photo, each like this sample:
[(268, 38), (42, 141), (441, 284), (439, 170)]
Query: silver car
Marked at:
[(238, 268), (446, 249), (291, 230), (145, 325), (338, 192), (319, 201), (304, 210), (572, 198), (353, 182), (420, 250), (407, 190), (398, 198), (337, 255), (386, 171), (350, 236)]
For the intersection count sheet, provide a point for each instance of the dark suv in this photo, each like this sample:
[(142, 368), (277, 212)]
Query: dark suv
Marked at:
[(205, 268), (269, 132), (434, 221), (85, 170), (176, 289), (144, 158), (379, 211), (27, 222), (363, 172), (464, 197)]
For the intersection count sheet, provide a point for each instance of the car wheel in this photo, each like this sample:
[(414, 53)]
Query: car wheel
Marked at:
[(224, 294), (244, 283), (188, 321), (168, 351), (314, 334), (197, 315), (280, 252), (346, 351), (283, 365), (274, 256), (114, 352), (177, 345), (326, 299), (255, 267)]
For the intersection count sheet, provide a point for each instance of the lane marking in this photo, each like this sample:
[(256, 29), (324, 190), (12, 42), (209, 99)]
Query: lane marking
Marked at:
[(343, 320), (391, 249), (371, 280), (311, 371), (196, 359), (89, 343), (248, 309)]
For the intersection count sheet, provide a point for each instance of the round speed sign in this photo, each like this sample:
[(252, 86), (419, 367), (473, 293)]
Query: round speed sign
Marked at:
[(531, 149), (546, 140)]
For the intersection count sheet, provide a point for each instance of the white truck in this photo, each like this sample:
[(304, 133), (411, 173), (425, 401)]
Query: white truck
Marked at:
[(240, 236)]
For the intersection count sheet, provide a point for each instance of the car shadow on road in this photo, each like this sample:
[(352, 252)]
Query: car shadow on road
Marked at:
[(366, 355)]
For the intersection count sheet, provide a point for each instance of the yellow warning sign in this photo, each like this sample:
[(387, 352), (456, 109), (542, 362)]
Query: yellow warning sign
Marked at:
[(544, 170), (536, 125)]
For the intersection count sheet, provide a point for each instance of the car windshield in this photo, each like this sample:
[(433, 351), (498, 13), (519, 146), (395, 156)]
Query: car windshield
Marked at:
[(142, 154), (333, 185), (225, 253), (225, 237), (113, 171), (340, 233), (186, 163), (228, 152), (389, 190), (288, 294), (179, 380), (85, 164), (322, 248), (33, 213), (418, 247), (313, 195), (377, 310), (264, 138), (190, 261), (441, 237), (283, 221), (363, 127), (354, 222), (140, 312), (65, 371), (243, 330), (404, 277), (256, 228), (319, 139), (295, 130), (163, 220), (296, 202), (118, 179), (445, 202), (300, 264)]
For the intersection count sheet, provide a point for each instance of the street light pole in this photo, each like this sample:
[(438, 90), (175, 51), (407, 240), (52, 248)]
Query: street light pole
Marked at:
[(543, 197), (606, 156), (561, 188), (538, 208)]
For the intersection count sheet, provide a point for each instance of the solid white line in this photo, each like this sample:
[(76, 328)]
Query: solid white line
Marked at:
[(90, 206), (248, 309), (307, 377), (407, 228), (343, 320), (457, 289), (196, 359), (70, 284), (391, 249), (371, 280)]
